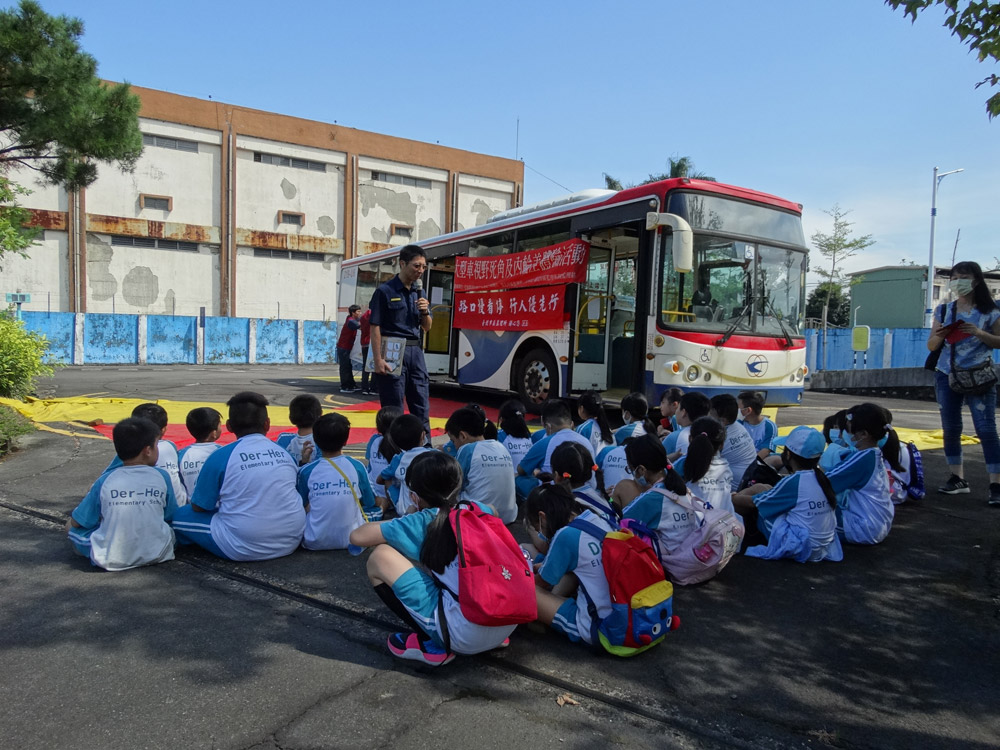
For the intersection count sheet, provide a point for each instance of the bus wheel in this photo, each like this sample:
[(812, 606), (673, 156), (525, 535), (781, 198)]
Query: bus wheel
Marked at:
[(535, 379)]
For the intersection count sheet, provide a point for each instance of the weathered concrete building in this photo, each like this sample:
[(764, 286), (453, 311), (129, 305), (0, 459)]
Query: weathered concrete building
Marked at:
[(245, 213)]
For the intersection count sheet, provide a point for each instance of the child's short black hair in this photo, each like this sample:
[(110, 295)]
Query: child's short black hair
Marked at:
[(753, 400), (695, 404), (304, 410), (247, 413), (154, 413), (406, 431), (331, 431), (353, 309), (671, 395), (555, 411), (467, 420), (726, 407), (133, 434), (202, 422)]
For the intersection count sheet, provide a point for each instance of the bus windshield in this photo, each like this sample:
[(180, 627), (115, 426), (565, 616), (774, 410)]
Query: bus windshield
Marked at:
[(734, 286)]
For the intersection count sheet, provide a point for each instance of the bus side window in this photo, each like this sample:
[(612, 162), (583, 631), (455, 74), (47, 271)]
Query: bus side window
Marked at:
[(495, 244)]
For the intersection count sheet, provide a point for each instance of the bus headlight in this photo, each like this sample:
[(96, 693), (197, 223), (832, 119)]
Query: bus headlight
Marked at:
[(692, 373)]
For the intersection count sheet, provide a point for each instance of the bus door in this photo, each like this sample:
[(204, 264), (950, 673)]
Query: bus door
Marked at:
[(441, 295), (590, 326)]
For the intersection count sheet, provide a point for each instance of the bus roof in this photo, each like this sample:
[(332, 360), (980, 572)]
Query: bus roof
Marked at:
[(586, 200)]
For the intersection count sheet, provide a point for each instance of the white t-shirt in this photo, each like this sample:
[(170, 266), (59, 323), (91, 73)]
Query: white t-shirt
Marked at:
[(656, 510), (191, 460), (517, 447), (295, 443), (716, 487), (260, 514), (333, 510), (166, 460), (376, 463), (396, 471), (799, 500), (739, 451), (614, 467), (864, 506), (488, 472)]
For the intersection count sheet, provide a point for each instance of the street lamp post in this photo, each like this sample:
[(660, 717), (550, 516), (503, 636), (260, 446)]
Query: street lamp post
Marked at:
[(929, 308)]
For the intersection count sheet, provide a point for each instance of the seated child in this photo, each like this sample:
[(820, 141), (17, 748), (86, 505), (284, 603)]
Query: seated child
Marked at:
[(796, 516), (489, 431), (571, 574), (613, 469), (245, 505), (335, 489), (406, 433), (761, 429), (205, 426), (635, 415), (514, 433), (706, 473), (165, 449), (379, 452), (906, 479), (739, 449), (573, 466), (864, 505), (303, 411), (835, 434), (558, 423), (692, 405), (414, 568), (669, 402), (487, 468), (123, 522), (595, 427)]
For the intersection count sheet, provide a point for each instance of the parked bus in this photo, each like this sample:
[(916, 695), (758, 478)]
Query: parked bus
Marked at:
[(687, 283)]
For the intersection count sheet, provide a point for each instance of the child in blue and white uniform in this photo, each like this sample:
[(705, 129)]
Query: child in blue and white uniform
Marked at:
[(420, 594), (835, 434), (761, 428), (573, 466), (205, 426), (335, 490), (669, 403), (245, 505), (796, 516), (514, 434), (379, 452), (692, 405), (614, 468), (595, 426), (487, 468), (864, 504), (123, 522), (573, 558), (303, 411), (166, 451), (558, 423), (408, 435), (739, 449), (635, 415), (706, 473)]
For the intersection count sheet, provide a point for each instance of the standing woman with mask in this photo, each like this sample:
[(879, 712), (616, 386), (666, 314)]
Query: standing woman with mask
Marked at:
[(967, 331)]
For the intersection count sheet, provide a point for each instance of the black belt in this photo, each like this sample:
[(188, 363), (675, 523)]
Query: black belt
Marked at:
[(413, 342)]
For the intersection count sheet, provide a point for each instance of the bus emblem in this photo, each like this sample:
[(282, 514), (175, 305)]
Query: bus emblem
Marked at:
[(757, 365)]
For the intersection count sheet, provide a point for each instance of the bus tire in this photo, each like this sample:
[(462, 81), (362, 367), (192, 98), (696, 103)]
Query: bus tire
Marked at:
[(536, 379)]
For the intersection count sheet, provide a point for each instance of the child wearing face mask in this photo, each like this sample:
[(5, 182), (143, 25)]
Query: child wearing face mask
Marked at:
[(635, 414), (835, 434)]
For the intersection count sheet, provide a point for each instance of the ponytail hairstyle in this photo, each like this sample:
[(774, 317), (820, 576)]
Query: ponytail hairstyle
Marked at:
[(891, 449), (593, 406), (489, 429), (868, 417), (572, 464), (708, 436), (556, 501), (511, 419), (649, 452), (637, 406), (794, 462), (437, 478), (834, 422), (383, 420), (981, 296)]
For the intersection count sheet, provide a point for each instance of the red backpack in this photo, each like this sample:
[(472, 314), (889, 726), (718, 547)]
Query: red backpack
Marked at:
[(496, 585)]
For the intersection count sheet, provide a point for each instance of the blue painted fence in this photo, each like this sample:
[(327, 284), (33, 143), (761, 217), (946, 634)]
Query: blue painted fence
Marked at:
[(60, 330), (909, 349)]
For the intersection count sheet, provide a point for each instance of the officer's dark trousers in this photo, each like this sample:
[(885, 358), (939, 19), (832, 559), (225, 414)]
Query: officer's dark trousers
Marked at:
[(413, 383)]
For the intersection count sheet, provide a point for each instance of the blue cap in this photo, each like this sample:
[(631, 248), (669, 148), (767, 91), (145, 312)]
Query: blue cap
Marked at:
[(807, 442)]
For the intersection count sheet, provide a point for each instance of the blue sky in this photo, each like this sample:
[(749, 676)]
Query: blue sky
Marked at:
[(822, 102)]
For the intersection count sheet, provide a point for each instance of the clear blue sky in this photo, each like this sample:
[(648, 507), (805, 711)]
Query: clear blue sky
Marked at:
[(822, 102)]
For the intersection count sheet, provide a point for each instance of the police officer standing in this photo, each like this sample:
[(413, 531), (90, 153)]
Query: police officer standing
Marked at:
[(401, 311)]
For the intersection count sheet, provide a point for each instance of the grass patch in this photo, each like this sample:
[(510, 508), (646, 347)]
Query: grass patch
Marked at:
[(12, 425)]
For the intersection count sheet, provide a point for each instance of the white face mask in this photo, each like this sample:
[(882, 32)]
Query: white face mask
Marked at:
[(961, 287)]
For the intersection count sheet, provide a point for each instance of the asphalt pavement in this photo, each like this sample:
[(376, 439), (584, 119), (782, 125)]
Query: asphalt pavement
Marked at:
[(896, 646)]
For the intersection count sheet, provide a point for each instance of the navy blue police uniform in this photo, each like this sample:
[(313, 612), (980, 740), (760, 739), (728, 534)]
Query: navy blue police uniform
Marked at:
[(394, 311)]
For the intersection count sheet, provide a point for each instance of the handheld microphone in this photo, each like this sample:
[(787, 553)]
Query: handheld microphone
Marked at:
[(419, 286)]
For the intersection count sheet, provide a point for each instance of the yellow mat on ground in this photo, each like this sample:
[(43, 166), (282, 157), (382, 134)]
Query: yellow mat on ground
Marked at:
[(923, 439)]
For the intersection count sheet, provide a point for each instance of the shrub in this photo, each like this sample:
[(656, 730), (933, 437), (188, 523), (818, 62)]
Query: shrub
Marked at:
[(21, 353), (12, 424)]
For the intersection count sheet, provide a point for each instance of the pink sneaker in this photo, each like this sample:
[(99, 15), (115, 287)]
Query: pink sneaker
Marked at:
[(409, 646)]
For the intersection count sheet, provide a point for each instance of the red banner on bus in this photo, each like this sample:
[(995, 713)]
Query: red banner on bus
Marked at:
[(519, 310), (565, 263)]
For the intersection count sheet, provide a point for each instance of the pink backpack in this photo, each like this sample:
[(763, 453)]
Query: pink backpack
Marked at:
[(708, 548), (496, 585)]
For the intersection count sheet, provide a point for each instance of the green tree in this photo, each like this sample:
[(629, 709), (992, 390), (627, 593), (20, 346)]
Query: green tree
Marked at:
[(679, 167), (22, 357), (56, 116), (976, 23), (15, 237), (830, 296), (838, 246)]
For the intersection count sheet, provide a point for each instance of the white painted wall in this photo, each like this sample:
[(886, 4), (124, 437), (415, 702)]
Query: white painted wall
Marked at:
[(147, 280), (301, 287), (479, 198), (193, 180), (382, 204), (43, 274), (264, 189)]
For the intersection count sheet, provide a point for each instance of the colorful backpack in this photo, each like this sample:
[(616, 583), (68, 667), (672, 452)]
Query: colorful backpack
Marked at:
[(641, 598), (496, 584), (915, 488), (708, 548)]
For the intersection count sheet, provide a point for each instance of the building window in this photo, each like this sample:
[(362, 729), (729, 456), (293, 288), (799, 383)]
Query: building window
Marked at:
[(398, 179), (152, 242), (177, 144), (291, 217), (263, 252), (401, 230), (287, 161), (937, 292), (157, 202)]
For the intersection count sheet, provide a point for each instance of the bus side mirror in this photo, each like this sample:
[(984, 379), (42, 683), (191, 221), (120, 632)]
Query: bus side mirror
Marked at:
[(683, 242)]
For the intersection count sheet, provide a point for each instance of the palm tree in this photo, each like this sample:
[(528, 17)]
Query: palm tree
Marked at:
[(679, 167)]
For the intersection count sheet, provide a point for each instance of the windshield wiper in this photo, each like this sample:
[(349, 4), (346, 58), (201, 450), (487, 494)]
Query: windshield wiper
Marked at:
[(788, 338), (736, 323)]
